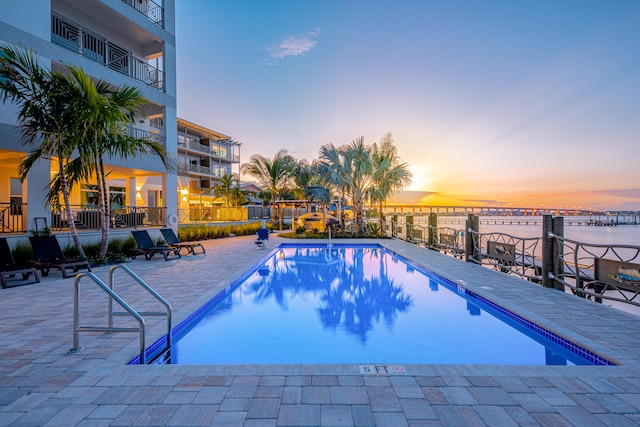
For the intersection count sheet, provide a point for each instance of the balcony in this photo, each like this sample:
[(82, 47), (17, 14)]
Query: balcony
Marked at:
[(78, 39), (196, 146), (187, 169), (153, 11), (138, 133)]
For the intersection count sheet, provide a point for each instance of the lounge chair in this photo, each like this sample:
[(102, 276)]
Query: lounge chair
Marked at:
[(49, 255), (263, 237), (173, 241), (147, 248), (9, 268)]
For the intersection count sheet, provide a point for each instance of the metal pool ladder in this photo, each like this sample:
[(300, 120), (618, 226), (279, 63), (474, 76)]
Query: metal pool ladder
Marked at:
[(113, 296)]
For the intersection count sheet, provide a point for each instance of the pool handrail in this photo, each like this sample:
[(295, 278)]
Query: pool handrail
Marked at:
[(151, 291), (112, 296)]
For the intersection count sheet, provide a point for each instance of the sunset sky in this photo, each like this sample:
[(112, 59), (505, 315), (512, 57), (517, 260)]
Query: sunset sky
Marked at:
[(521, 103)]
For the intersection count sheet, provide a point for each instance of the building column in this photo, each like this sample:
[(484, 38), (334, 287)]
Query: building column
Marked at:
[(170, 179), (38, 180), (132, 192)]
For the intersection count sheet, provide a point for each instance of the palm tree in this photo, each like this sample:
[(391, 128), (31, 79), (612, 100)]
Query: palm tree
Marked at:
[(101, 116), (304, 175), (274, 175), (43, 99), (391, 175), (330, 170), (350, 168)]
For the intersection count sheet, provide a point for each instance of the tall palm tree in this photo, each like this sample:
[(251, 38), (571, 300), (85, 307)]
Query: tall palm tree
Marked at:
[(330, 170), (44, 117), (359, 173), (274, 175), (102, 114), (350, 168), (391, 175)]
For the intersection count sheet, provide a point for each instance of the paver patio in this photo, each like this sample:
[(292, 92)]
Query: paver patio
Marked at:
[(42, 385)]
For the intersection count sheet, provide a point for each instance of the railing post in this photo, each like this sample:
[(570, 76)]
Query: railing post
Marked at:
[(472, 252), (394, 226), (558, 252), (80, 41), (547, 251), (409, 226), (433, 230)]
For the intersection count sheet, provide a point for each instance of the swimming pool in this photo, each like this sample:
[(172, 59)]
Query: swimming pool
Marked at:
[(308, 304)]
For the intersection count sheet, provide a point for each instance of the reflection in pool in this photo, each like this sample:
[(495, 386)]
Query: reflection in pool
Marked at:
[(356, 304)]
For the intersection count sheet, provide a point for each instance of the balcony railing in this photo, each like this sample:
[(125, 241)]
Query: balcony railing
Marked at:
[(138, 133), (78, 39), (12, 217), (196, 146), (153, 11), (185, 169), (85, 218), (88, 218)]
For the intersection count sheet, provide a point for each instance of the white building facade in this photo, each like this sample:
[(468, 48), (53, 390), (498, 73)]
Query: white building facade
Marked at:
[(122, 42)]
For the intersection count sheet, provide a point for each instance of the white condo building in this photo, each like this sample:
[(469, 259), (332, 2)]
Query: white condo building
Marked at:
[(120, 41)]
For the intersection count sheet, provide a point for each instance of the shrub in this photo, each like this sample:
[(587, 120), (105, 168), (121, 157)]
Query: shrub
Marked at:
[(373, 229), (116, 257), (202, 232), (23, 253), (128, 244)]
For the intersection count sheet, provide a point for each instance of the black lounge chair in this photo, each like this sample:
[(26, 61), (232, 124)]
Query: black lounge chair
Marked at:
[(263, 237), (173, 241), (9, 268), (49, 255), (147, 248)]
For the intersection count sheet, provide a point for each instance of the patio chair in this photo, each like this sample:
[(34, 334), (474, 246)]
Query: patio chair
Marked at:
[(148, 248), (49, 255), (173, 241), (263, 237), (9, 268)]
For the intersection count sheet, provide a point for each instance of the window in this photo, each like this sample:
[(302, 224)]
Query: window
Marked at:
[(16, 196), (117, 197), (220, 151), (152, 198), (89, 196)]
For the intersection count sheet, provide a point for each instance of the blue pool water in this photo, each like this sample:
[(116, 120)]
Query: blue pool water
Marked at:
[(359, 304)]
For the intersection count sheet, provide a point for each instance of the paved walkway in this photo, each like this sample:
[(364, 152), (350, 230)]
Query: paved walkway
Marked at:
[(42, 385)]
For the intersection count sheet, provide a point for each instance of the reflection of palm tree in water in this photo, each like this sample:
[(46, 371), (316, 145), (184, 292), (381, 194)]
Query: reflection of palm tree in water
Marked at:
[(357, 302), (289, 275), (350, 298)]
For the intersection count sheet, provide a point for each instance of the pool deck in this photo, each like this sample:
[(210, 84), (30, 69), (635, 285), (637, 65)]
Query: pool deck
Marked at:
[(42, 385)]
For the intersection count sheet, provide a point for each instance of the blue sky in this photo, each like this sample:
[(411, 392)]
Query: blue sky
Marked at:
[(489, 102)]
